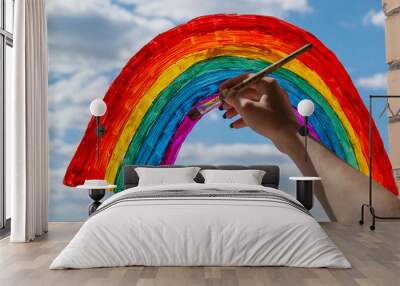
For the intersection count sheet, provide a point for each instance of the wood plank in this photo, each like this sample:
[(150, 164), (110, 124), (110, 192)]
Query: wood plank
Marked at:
[(375, 257)]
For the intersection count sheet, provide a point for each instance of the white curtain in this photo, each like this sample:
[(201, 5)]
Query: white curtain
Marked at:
[(26, 124)]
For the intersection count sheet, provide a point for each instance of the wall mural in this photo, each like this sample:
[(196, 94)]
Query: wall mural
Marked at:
[(148, 103)]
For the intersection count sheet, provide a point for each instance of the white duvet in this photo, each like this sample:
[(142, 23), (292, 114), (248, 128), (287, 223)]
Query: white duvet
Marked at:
[(200, 231)]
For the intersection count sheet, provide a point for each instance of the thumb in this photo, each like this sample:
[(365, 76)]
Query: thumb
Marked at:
[(241, 100)]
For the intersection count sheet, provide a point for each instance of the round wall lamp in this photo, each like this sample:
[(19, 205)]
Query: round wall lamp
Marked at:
[(98, 107)]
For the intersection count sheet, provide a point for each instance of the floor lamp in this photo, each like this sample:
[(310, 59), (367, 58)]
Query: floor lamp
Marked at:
[(370, 202)]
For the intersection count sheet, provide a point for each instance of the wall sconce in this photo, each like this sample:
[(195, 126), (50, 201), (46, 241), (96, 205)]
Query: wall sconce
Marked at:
[(306, 109), (97, 108)]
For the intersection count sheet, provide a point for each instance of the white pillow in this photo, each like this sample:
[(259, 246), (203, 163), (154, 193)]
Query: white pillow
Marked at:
[(166, 176), (248, 177)]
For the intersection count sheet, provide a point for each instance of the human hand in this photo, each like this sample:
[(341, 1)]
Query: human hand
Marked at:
[(264, 107)]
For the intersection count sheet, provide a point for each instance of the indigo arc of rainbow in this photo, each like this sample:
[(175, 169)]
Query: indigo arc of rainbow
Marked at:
[(162, 60), (188, 88), (182, 132)]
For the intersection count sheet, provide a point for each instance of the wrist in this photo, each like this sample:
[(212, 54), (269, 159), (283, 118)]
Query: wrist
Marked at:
[(289, 141)]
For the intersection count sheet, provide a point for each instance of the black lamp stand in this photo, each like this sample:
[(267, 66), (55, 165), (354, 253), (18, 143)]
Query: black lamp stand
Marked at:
[(303, 130), (100, 131), (97, 194), (304, 193), (370, 203)]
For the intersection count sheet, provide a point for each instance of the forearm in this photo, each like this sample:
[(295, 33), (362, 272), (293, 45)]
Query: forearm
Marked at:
[(267, 110), (342, 189)]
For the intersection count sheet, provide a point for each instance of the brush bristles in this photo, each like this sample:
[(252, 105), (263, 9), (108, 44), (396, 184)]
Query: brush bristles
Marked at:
[(194, 114)]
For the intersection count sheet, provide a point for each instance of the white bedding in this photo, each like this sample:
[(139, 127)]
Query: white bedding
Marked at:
[(200, 231)]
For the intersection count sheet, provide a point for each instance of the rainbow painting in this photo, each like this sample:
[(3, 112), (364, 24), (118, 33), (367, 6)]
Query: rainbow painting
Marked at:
[(148, 103)]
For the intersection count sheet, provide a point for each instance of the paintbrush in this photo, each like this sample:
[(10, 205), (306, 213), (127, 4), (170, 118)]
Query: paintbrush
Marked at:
[(200, 110)]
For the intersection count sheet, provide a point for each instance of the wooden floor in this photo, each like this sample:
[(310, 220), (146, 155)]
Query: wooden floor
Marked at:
[(375, 257)]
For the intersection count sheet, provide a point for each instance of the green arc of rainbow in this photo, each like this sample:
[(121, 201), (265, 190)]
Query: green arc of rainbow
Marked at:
[(148, 102)]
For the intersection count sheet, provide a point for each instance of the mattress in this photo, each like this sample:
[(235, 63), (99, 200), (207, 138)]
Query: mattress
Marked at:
[(201, 225)]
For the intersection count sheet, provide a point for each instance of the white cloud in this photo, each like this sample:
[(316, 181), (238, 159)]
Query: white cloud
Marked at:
[(88, 8), (81, 87), (69, 114), (221, 152), (235, 153), (375, 18), (104, 34), (214, 115), (96, 34), (376, 81), (181, 10), (91, 40)]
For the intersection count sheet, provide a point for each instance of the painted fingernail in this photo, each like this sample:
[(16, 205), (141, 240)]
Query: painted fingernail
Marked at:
[(224, 115), (231, 125), (220, 107)]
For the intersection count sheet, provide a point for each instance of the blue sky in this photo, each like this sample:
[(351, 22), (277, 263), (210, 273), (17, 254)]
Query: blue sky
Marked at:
[(90, 41)]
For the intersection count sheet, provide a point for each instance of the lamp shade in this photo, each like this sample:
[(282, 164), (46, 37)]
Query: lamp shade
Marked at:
[(98, 107), (305, 107)]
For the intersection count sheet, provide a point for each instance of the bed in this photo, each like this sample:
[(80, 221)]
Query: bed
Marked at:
[(198, 224)]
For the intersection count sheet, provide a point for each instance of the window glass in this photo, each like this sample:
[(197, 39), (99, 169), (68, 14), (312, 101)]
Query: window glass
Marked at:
[(5, 90), (1, 14), (8, 70), (2, 195), (9, 9)]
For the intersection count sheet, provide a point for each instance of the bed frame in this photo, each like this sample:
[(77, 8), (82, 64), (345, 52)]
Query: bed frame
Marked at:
[(270, 179)]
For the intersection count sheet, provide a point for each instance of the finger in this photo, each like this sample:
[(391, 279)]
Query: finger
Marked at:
[(230, 113), (267, 85), (250, 93), (239, 101), (238, 124), (285, 99), (233, 81), (225, 106), (221, 105)]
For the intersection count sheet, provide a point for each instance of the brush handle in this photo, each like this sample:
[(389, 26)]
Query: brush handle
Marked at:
[(251, 79), (259, 75)]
